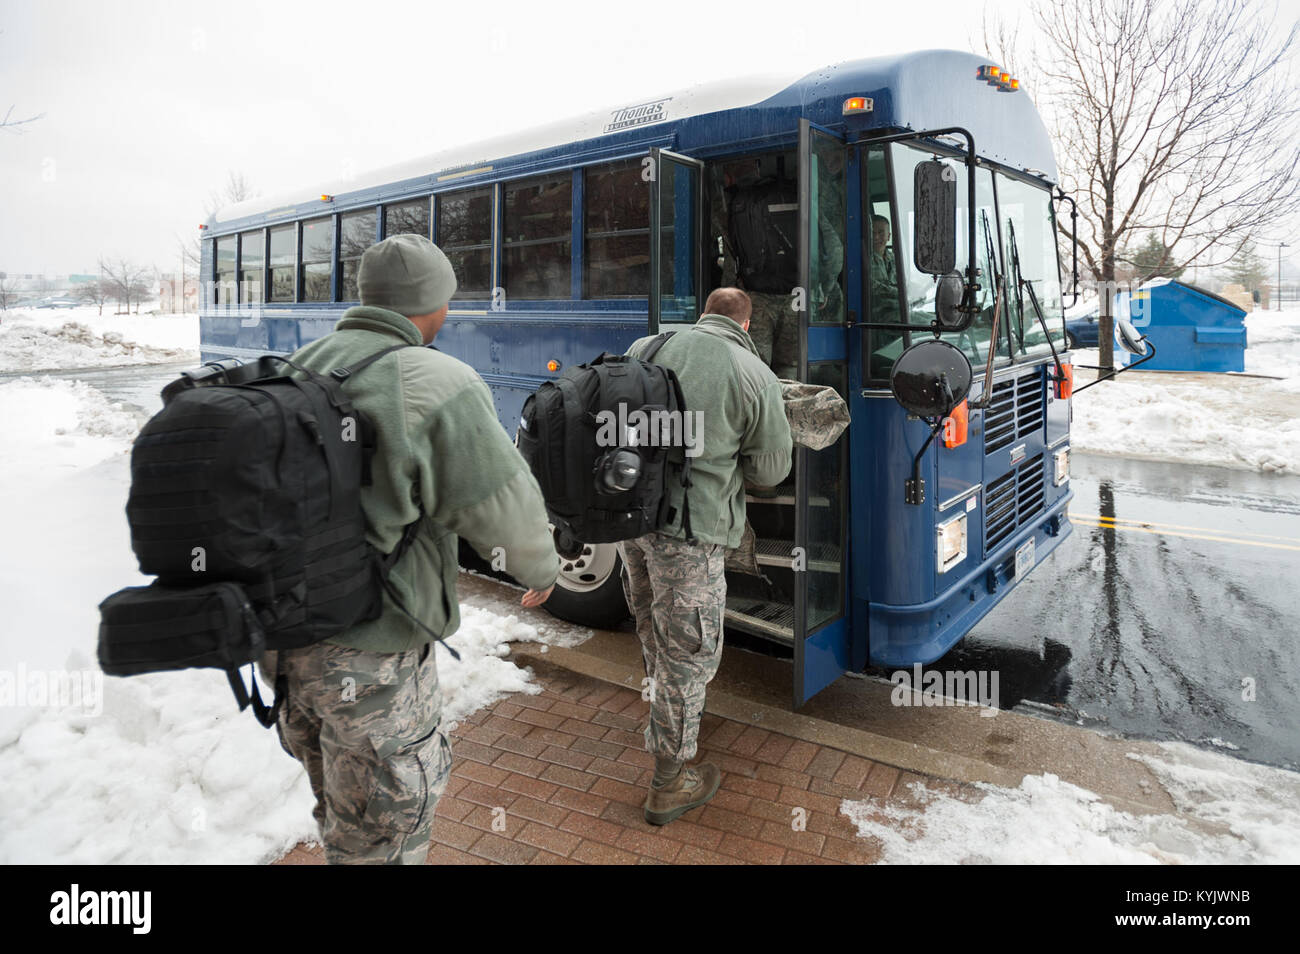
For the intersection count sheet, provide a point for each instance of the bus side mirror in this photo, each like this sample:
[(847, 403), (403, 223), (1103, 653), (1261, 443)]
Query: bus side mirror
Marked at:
[(1129, 339), (934, 241), (931, 378), (947, 304)]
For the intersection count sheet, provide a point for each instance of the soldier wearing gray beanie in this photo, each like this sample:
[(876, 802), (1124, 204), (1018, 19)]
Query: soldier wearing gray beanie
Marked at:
[(407, 274)]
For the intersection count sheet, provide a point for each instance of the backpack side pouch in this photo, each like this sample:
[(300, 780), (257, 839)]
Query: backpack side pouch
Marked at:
[(159, 628)]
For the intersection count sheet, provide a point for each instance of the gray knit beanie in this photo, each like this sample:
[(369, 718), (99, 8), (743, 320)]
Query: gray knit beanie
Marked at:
[(407, 274)]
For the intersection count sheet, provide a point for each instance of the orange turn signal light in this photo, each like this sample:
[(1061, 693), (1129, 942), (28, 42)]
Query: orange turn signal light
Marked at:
[(552, 366), (327, 198), (955, 426), (1065, 384), (857, 104)]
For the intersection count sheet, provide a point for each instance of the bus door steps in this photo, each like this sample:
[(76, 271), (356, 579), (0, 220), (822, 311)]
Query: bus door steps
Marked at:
[(785, 498), (822, 557), (764, 617)]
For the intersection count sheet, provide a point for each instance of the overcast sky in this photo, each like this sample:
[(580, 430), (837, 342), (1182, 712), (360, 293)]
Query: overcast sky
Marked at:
[(146, 105)]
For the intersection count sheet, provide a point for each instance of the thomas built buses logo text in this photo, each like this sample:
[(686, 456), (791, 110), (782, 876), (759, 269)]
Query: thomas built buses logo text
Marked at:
[(639, 115)]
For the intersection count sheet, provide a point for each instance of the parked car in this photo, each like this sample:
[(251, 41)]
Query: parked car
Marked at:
[(58, 301), (1081, 330)]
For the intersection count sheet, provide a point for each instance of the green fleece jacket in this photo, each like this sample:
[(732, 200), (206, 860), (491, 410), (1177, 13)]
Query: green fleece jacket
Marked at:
[(440, 446), (742, 429)]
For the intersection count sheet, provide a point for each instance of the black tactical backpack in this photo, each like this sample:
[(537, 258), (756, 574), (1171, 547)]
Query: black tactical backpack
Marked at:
[(600, 441), (245, 504), (763, 222)]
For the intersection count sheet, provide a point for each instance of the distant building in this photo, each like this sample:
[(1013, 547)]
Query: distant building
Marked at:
[(169, 295)]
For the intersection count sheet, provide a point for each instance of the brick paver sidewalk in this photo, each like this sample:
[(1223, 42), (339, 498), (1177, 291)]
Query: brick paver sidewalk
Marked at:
[(561, 777)]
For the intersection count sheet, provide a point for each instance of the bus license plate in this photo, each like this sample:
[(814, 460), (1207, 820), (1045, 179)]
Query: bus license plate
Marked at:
[(1024, 558)]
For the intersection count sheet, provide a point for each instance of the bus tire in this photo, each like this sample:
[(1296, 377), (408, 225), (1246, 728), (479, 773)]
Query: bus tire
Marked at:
[(589, 589)]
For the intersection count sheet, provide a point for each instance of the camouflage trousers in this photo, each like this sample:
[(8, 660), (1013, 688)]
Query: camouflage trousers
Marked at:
[(774, 329), (365, 726), (677, 592)]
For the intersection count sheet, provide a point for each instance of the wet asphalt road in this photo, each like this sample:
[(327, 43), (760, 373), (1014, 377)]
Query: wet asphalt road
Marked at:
[(1177, 593), (1178, 583)]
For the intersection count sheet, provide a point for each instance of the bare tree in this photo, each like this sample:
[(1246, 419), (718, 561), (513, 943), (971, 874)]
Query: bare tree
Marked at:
[(1176, 118), (95, 292), (127, 281), (8, 290), (236, 188), (16, 125)]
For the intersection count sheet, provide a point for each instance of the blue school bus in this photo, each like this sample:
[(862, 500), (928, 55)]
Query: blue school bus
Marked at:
[(885, 548)]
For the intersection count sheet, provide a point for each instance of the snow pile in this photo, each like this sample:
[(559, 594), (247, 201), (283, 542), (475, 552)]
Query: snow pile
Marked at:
[(1232, 813), (56, 408), (1224, 419), (30, 343), (1273, 346), (154, 769), (483, 674)]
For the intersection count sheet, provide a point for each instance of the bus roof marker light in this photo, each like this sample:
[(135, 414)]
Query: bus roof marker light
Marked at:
[(327, 198), (858, 104)]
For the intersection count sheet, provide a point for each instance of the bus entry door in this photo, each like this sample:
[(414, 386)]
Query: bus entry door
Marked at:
[(824, 647)]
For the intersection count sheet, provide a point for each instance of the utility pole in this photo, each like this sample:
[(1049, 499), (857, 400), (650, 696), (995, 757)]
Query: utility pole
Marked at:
[(1280, 246)]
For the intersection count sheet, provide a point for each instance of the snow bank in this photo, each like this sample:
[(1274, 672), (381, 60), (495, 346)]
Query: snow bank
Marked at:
[(79, 338), (1224, 419), (1048, 821), (151, 769)]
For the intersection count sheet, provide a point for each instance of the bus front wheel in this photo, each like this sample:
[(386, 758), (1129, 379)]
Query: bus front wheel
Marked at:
[(589, 589)]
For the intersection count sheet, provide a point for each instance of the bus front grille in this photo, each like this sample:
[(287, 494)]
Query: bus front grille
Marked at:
[(1015, 410), (1013, 500)]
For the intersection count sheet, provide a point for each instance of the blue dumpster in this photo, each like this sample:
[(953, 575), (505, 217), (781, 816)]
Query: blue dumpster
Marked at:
[(1193, 329)]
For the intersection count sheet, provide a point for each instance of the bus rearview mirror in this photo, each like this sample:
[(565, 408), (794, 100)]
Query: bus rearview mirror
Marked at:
[(948, 293), (931, 378), (1129, 339), (934, 240)]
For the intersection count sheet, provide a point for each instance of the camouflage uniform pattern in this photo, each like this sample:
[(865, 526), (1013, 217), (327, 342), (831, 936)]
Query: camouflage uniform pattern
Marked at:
[(774, 329), (744, 558), (773, 326), (677, 592), (816, 412), (365, 726)]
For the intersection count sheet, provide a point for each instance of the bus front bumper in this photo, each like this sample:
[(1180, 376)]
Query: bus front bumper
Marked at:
[(902, 636)]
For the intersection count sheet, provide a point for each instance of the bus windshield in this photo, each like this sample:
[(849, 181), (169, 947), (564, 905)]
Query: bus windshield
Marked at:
[(1029, 247), (1022, 211)]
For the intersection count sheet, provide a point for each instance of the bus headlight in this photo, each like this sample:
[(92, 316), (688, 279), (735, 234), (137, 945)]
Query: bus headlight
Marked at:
[(1062, 460), (950, 543)]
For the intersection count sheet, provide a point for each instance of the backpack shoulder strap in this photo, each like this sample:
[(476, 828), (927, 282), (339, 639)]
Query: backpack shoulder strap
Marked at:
[(345, 372), (653, 347)]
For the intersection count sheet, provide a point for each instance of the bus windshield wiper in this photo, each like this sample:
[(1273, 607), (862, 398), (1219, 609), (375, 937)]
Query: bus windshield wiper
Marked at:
[(1016, 327), (1027, 285), (991, 252)]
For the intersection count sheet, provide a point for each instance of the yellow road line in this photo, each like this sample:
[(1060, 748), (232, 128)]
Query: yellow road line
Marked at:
[(1106, 525), (1181, 526)]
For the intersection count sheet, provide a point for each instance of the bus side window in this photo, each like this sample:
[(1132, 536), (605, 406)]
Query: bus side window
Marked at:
[(465, 237), (407, 218), (226, 270), (317, 258), (252, 260), (356, 234), (283, 261), (879, 267), (616, 232), (536, 247)]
